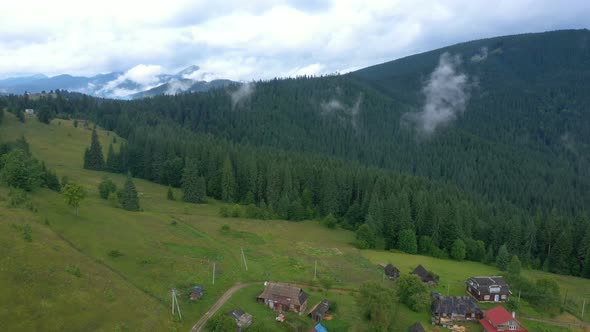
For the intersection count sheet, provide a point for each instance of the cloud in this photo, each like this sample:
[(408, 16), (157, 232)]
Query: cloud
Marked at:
[(257, 39), (481, 56), (177, 86), (446, 95), (243, 92), (343, 112), (144, 74)]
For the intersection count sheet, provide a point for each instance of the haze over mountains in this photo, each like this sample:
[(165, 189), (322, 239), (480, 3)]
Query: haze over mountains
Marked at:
[(139, 81)]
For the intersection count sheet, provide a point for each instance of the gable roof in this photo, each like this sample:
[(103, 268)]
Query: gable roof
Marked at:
[(417, 327), (284, 293), (321, 308), (489, 281), (236, 313), (391, 270), (421, 272), (458, 305), (498, 315)]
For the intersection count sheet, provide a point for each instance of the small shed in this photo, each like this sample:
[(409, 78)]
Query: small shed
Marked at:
[(319, 311), (243, 319), (196, 293), (391, 271), (417, 327), (499, 319), (425, 276)]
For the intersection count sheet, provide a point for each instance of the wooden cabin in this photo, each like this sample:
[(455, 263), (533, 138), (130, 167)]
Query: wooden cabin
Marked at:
[(446, 309), (283, 297), (488, 289), (425, 276)]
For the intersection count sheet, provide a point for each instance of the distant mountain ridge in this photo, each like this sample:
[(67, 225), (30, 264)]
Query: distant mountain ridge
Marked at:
[(116, 85)]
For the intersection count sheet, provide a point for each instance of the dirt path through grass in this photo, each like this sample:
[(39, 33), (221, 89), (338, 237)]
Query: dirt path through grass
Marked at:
[(226, 296)]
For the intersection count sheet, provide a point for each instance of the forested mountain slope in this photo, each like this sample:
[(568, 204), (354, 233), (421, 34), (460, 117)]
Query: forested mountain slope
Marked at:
[(511, 140)]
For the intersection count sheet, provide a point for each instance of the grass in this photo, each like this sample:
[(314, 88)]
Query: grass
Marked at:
[(112, 270)]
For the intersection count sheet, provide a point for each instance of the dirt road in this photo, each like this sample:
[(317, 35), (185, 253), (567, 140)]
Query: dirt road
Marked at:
[(226, 296)]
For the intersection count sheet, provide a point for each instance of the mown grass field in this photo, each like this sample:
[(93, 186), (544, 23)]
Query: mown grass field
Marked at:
[(170, 244)]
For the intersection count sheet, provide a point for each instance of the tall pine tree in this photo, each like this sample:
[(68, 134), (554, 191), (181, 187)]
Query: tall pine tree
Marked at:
[(228, 181), (128, 197), (93, 158), (193, 185)]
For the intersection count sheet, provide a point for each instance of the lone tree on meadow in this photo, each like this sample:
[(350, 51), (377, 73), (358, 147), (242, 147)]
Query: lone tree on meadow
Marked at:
[(93, 158), (129, 199), (74, 194)]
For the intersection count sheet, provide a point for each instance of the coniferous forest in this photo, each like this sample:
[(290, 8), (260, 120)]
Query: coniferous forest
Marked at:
[(511, 172)]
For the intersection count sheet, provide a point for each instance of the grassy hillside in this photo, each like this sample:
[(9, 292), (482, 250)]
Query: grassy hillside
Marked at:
[(65, 279)]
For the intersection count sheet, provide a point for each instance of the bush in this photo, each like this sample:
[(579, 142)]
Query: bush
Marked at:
[(224, 212), (329, 221), (106, 187), (17, 197), (74, 270), (225, 228), (413, 292), (407, 241), (115, 253), (365, 237)]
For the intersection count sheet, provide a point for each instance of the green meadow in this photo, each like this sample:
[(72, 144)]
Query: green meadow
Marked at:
[(66, 278)]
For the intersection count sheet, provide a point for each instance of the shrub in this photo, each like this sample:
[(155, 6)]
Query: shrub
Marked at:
[(225, 228), (74, 270), (106, 187), (329, 221), (224, 212), (115, 253)]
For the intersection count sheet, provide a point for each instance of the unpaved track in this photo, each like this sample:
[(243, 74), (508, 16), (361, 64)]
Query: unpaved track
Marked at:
[(226, 296)]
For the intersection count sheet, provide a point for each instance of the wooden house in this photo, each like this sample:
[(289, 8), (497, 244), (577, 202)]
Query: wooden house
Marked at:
[(498, 319), (283, 297), (243, 319), (319, 311), (488, 289), (446, 309), (425, 276)]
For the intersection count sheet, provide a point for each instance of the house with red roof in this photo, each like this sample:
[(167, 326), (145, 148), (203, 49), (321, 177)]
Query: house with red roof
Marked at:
[(498, 319)]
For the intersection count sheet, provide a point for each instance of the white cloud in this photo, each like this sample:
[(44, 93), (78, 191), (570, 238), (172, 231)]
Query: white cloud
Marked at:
[(246, 40)]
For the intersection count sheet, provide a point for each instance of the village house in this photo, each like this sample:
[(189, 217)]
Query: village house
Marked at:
[(283, 297), (319, 311), (243, 319), (446, 309), (425, 276), (488, 289), (498, 319), (390, 271)]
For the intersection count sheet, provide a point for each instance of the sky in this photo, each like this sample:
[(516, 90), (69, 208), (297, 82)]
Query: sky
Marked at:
[(254, 39)]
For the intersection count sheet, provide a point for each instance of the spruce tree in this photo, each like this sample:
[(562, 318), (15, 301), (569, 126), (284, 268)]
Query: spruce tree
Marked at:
[(503, 258), (112, 164), (407, 241), (228, 181), (93, 158), (193, 185), (129, 199)]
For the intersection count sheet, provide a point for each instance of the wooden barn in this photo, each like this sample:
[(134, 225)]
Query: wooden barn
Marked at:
[(498, 319), (425, 276), (283, 297), (417, 327), (446, 309), (488, 289), (319, 311)]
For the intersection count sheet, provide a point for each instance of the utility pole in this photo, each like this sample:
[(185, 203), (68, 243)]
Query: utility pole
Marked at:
[(565, 297), (213, 273), (175, 301), (315, 270), (244, 258), (583, 307)]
